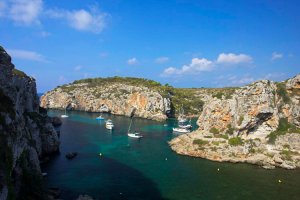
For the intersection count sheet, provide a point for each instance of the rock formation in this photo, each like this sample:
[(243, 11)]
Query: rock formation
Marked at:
[(25, 134), (258, 123), (110, 95)]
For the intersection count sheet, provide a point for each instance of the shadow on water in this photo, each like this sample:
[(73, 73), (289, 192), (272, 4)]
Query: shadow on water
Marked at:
[(110, 180)]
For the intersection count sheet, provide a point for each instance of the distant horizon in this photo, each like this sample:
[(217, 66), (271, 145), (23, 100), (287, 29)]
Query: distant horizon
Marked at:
[(187, 44)]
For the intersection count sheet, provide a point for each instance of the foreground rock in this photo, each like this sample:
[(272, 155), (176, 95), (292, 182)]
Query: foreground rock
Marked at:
[(26, 135), (257, 124)]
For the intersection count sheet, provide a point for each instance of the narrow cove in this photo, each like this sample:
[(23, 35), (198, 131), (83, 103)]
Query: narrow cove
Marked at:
[(148, 168)]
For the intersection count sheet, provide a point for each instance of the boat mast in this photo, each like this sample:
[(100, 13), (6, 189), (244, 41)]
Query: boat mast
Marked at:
[(129, 125)]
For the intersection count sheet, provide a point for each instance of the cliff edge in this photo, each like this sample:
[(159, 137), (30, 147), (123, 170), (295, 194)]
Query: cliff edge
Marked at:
[(26, 134)]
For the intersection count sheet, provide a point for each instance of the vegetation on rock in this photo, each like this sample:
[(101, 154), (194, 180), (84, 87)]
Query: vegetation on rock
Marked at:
[(235, 141), (283, 128)]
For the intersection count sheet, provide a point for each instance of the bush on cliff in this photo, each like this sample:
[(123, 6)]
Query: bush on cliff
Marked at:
[(214, 130), (200, 142), (235, 141), (283, 128)]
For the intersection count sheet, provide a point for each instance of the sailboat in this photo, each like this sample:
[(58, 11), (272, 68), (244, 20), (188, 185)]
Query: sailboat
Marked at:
[(100, 117), (133, 134), (181, 117), (65, 115)]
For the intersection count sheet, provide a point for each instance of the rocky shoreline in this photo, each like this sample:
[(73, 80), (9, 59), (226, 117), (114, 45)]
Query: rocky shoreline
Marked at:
[(285, 153)]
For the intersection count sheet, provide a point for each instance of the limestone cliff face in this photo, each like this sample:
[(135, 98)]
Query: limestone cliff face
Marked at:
[(257, 124), (253, 111), (113, 97), (25, 133)]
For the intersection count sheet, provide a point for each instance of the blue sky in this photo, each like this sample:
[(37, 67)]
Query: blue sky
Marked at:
[(184, 43)]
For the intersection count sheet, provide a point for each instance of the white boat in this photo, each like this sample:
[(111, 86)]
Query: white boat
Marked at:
[(184, 125), (133, 134), (109, 124), (65, 115), (181, 130), (100, 117)]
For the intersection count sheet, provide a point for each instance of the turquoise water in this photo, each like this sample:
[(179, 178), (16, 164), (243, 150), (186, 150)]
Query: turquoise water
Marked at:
[(148, 169)]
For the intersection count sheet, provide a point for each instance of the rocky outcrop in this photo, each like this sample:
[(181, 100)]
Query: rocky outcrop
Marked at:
[(25, 134), (285, 153), (116, 97), (257, 124)]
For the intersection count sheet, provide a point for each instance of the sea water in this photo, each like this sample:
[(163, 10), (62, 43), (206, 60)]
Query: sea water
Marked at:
[(147, 168)]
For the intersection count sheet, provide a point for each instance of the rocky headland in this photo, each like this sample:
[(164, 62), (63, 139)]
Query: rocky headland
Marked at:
[(26, 134), (257, 124), (120, 95)]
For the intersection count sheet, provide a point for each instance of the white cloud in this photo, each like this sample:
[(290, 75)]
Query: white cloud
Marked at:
[(26, 55), (232, 58), (25, 12), (161, 60), (132, 61), (276, 56), (2, 8), (83, 20), (197, 65), (45, 34), (77, 68)]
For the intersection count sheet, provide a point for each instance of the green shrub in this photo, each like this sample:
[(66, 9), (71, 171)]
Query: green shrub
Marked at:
[(221, 136), (200, 142), (218, 95), (215, 143), (287, 154), (241, 119), (230, 130), (235, 141), (283, 128), (282, 92), (214, 130), (18, 73)]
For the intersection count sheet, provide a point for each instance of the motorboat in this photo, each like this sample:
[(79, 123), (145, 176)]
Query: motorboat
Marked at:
[(135, 135), (181, 130), (109, 124), (185, 125)]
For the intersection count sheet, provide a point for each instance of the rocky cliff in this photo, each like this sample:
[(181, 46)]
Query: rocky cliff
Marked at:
[(26, 134), (258, 123), (113, 95)]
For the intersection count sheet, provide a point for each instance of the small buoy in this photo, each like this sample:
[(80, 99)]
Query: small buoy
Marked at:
[(279, 181), (100, 154), (166, 158), (218, 169)]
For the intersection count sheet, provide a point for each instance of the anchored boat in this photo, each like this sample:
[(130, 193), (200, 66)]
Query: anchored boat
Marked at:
[(109, 124)]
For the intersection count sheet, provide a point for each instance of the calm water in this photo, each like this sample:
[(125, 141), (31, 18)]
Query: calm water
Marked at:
[(148, 169)]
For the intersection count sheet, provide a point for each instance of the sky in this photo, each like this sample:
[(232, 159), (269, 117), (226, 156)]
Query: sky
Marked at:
[(185, 43)]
